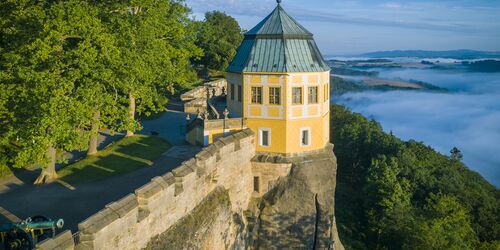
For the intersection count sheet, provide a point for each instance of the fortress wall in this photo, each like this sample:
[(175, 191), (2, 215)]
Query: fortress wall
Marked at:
[(63, 241), (268, 173), (131, 222)]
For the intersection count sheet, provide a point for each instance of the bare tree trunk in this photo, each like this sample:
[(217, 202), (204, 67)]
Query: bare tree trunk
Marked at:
[(131, 112), (94, 133), (49, 171)]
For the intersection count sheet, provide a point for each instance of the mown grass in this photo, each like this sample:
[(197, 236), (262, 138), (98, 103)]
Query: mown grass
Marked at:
[(123, 156)]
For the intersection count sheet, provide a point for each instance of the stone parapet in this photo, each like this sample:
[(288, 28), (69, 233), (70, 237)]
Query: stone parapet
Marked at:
[(155, 207), (63, 241), (195, 100)]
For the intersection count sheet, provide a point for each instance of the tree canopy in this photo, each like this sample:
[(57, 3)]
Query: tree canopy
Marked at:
[(219, 36), (395, 194), (69, 67)]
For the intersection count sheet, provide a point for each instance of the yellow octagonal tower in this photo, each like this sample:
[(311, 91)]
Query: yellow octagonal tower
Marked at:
[(279, 82)]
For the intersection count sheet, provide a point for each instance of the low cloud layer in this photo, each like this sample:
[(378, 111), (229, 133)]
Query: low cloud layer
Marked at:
[(468, 117)]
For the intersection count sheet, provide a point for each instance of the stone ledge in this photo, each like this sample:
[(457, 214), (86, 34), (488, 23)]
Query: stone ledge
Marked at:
[(169, 178), (270, 158), (148, 190), (62, 241), (213, 149), (228, 140), (182, 171), (123, 206), (98, 221), (248, 131), (160, 181), (203, 155)]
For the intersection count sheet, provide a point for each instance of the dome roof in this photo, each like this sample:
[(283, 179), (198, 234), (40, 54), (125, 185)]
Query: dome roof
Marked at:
[(278, 44)]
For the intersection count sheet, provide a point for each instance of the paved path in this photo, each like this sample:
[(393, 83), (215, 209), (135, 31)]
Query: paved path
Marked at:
[(170, 126), (19, 199)]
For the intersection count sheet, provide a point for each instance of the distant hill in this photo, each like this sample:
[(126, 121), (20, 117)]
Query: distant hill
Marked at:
[(454, 54), (483, 66)]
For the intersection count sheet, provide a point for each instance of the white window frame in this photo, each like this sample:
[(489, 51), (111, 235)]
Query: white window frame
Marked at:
[(302, 137), (261, 130)]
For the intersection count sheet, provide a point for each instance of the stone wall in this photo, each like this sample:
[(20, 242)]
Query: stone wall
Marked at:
[(133, 221), (210, 202), (63, 241), (268, 169), (195, 100), (211, 225)]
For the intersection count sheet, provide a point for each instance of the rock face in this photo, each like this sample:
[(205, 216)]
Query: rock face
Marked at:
[(226, 197), (211, 225), (299, 212)]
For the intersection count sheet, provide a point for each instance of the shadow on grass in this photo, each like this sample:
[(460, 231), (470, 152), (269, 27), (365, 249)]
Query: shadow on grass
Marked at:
[(124, 156)]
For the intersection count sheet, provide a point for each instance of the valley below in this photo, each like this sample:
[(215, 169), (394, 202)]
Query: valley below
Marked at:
[(443, 102)]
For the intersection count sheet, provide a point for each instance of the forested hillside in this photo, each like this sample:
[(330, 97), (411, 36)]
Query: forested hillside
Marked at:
[(395, 194)]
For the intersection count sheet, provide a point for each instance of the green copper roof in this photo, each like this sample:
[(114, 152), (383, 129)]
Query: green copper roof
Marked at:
[(278, 44), (278, 22)]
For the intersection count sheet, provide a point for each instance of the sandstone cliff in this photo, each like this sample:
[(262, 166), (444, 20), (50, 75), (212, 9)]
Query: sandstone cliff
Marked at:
[(226, 197), (299, 212), (211, 225)]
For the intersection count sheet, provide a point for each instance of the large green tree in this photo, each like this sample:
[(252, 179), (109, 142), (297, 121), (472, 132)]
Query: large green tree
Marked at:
[(388, 203), (55, 58), (156, 42), (69, 67), (445, 224), (219, 36)]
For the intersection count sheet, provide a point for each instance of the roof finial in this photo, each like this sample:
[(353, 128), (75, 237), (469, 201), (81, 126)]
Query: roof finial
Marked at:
[(278, 1)]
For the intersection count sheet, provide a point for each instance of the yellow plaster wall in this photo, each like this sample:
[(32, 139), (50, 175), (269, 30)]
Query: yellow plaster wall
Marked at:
[(297, 111), (255, 111), (285, 134), (273, 112), (278, 134), (286, 120), (273, 79), (318, 138), (313, 110)]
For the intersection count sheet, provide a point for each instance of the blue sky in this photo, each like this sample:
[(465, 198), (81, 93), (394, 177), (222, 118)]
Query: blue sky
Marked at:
[(350, 27)]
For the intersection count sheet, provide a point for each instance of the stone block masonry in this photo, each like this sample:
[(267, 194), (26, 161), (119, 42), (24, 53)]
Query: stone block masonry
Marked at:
[(134, 220), (63, 241), (244, 195)]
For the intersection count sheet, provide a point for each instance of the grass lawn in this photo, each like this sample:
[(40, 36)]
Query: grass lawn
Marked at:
[(120, 157)]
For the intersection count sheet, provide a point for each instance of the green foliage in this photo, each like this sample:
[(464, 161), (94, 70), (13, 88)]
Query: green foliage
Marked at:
[(61, 62), (155, 43), (412, 196), (444, 224), (219, 36), (387, 202), (44, 61), (456, 154), (340, 86)]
